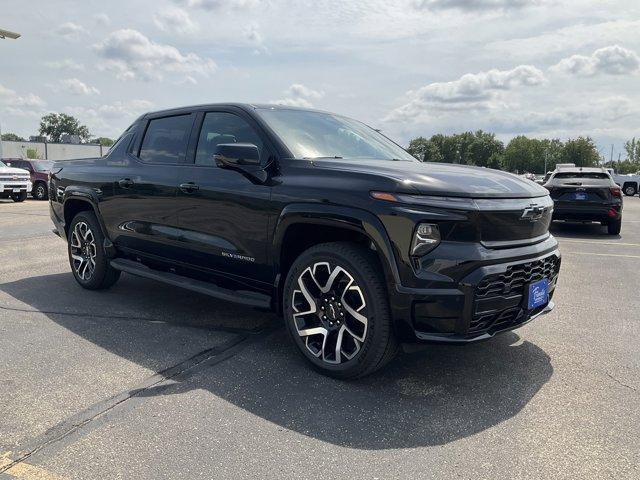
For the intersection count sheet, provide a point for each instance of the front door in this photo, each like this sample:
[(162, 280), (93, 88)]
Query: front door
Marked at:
[(224, 214)]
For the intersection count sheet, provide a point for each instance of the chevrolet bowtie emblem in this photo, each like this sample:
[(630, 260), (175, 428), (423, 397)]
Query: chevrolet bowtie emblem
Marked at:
[(532, 213)]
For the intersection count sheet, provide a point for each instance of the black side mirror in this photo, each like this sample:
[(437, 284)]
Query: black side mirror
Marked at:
[(237, 155)]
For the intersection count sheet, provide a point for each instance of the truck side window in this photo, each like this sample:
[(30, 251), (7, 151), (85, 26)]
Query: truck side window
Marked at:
[(222, 127), (165, 140)]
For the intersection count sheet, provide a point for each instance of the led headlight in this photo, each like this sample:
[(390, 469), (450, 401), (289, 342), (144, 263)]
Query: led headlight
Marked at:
[(425, 238)]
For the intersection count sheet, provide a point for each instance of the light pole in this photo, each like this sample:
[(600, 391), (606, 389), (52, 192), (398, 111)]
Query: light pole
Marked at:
[(12, 35)]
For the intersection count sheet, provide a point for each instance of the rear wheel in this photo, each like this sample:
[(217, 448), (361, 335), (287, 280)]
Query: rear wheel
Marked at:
[(89, 263), (614, 226), (39, 191), (19, 197), (336, 309)]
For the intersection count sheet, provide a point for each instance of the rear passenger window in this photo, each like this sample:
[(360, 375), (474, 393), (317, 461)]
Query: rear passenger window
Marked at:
[(165, 140)]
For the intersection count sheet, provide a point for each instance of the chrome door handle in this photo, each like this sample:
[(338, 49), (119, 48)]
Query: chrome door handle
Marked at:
[(189, 187)]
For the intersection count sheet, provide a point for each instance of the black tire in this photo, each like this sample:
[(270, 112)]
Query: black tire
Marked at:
[(19, 197), (630, 190), (40, 191), (92, 277), (614, 226), (378, 344)]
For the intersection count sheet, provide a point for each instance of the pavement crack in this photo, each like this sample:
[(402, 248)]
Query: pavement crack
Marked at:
[(57, 433), (633, 389), (244, 331)]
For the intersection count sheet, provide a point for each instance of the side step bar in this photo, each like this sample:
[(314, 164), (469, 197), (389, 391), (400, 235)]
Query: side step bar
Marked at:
[(246, 298)]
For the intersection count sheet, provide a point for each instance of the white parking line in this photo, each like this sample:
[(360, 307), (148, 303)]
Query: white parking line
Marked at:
[(595, 242), (601, 254)]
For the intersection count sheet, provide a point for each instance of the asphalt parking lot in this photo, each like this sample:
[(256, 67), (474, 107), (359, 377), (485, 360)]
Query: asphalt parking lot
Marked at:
[(147, 381)]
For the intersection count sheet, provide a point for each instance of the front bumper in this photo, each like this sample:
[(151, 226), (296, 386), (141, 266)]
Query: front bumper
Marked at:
[(20, 186), (489, 300)]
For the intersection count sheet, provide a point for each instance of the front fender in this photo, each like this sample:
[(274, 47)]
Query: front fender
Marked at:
[(349, 218)]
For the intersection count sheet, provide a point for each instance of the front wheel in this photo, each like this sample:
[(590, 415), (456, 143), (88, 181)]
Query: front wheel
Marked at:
[(39, 192), (630, 190), (19, 197), (89, 263), (336, 309), (614, 226)]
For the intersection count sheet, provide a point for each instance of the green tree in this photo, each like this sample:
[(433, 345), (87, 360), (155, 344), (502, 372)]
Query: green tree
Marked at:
[(467, 148), (552, 154), (32, 153), (483, 149), (633, 150), (12, 137), (418, 148), (581, 151), (54, 125), (524, 154), (104, 141)]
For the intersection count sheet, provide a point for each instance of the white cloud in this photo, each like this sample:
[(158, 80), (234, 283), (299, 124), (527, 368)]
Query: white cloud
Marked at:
[(109, 119), (11, 98), (129, 54), (77, 87), (298, 95), (219, 4), (612, 60), (71, 31), (102, 19), (174, 20), (66, 64), (254, 37), (471, 91), (476, 5)]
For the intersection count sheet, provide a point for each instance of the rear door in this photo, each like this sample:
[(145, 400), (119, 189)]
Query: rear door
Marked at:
[(224, 214), (142, 214)]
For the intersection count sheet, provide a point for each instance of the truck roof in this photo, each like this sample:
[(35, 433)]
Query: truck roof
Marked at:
[(243, 106)]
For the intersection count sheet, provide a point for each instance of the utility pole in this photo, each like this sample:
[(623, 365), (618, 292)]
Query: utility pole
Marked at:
[(611, 157)]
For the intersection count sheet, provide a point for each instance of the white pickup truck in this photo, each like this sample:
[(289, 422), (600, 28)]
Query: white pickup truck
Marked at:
[(630, 183), (14, 183)]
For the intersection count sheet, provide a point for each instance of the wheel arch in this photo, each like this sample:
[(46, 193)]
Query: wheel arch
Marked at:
[(78, 199), (301, 226)]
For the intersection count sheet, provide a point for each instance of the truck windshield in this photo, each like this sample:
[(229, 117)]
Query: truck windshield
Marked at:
[(2, 164), (317, 135), (42, 166)]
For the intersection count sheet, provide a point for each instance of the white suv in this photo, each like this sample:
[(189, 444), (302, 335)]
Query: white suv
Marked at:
[(14, 183)]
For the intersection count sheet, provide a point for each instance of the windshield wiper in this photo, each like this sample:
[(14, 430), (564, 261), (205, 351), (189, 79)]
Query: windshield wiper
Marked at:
[(319, 158)]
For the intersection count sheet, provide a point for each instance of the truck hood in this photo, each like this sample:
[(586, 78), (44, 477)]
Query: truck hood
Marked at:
[(11, 170), (442, 179)]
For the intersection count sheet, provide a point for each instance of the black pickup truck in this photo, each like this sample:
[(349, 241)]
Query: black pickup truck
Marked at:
[(359, 246)]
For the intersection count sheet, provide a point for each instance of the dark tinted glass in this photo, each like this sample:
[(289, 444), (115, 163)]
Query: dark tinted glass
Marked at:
[(219, 128), (594, 175), (165, 140)]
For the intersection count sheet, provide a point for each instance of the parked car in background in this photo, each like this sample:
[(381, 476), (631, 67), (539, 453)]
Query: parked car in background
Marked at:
[(317, 216), (586, 195), (629, 183), (39, 173), (14, 183)]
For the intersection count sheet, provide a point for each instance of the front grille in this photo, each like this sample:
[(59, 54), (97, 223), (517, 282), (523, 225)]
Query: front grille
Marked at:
[(499, 298), (10, 178)]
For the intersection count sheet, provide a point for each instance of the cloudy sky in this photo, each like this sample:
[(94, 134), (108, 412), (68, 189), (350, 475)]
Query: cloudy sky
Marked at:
[(545, 68)]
